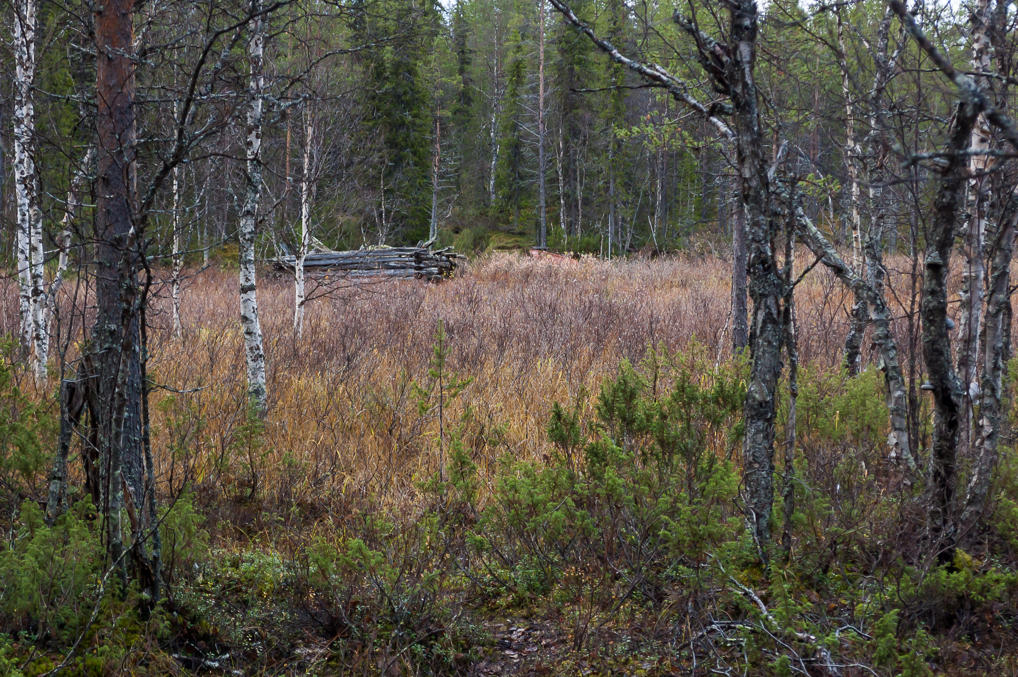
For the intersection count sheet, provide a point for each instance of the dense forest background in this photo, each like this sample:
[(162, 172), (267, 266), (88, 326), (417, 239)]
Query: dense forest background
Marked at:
[(418, 113)]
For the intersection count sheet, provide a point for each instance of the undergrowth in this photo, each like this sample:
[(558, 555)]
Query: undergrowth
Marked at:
[(441, 525)]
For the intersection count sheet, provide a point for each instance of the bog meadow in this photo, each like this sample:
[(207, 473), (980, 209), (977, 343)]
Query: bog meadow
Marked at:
[(507, 337)]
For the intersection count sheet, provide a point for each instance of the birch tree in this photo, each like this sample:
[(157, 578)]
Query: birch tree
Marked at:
[(866, 164), (307, 186), (542, 209), (730, 67), (948, 389), (254, 351), (32, 305)]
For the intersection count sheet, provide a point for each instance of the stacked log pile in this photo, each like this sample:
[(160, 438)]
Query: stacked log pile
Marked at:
[(398, 262)]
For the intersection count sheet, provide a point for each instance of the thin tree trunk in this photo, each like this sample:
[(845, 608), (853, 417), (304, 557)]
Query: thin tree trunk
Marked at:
[(611, 197), (306, 188), (851, 149), (67, 221), (436, 162), (974, 275), (895, 391), (560, 151), (253, 348), (496, 99), (29, 216), (766, 287), (740, 306), (542, 211), (947, 388), (994, 359), (792, 352), (116, 336), (178, 257)]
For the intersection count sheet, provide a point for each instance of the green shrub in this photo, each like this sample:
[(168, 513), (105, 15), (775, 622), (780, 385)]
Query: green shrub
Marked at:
[(642, 492), (27, 435), (52, 574)]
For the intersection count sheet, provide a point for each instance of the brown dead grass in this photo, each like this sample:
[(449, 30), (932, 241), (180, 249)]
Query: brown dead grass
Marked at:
[(344, 424)]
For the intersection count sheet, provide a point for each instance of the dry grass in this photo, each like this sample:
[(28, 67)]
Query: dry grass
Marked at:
[(344, 424)]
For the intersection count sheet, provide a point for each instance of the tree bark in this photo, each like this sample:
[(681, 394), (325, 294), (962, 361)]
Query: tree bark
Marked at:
[(766, 287), (253, 346), (542, 210), (177, 256), (26, 186), (116, 336), (895, 391), (947, 388), (993, 351), (306, 188), (740, 307), (974, 275), (436, 165)]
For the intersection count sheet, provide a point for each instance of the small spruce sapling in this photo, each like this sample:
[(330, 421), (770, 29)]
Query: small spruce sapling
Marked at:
[(441, 385)]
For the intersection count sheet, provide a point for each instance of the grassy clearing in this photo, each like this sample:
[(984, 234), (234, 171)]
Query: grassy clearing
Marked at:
[(571, 506)]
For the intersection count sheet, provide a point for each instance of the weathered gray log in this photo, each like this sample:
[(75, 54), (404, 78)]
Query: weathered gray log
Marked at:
[(399, 262)]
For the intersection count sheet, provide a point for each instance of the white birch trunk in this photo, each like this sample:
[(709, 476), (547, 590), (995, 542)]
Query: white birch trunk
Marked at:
[(29, 216), (305, 228), (253, 348), (66, 224), (974, 275), (542, 210), (494, 156), (860, 312), (851, 150), (496, 100), (178, 257), (984, 355)]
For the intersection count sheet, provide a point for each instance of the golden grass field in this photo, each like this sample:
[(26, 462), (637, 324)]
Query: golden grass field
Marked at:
[(344, 422)]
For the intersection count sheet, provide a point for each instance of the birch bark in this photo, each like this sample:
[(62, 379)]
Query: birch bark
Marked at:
[(177, 255), (974, 275), (542, 211), (944, 382), (860, 314), (253, 347), (29, 216), (766, 287), (306, 187)]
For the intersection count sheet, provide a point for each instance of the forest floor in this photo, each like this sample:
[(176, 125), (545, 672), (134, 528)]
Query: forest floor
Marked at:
[(532, 468)]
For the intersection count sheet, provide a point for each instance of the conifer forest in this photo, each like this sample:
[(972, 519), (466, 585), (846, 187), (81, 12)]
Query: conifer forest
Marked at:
[(508, 337)]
